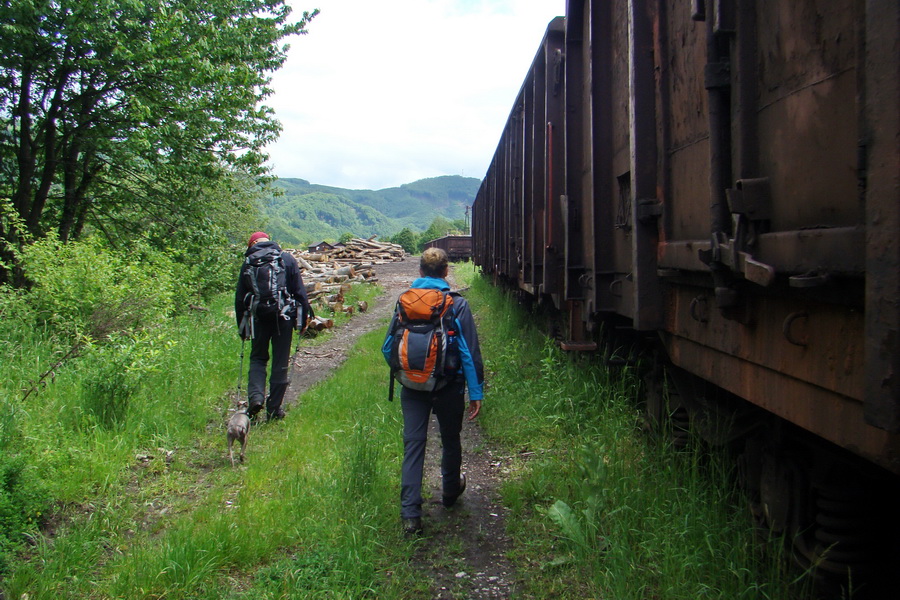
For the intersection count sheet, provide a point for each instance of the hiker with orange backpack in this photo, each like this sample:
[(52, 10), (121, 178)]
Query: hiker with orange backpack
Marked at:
[(432, 349)]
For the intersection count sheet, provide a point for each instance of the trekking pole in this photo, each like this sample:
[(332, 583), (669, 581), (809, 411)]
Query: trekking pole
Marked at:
[(293, 357), (241, 371), (299, 331), (244, 328)]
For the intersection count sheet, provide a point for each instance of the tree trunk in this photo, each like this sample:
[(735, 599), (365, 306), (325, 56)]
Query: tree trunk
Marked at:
[(25, 154)]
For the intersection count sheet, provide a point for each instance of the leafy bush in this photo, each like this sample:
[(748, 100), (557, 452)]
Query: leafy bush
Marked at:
[(86, 287), (201, 274)]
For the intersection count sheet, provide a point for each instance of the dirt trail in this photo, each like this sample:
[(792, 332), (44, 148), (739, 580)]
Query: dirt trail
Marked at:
[(463, 550)]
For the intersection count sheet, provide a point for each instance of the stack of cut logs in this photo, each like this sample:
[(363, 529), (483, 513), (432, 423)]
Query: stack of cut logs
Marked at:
[(357, 250), (327, 275)]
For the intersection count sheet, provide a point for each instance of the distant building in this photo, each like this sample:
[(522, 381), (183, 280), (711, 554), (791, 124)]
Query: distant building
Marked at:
[(321, 247)]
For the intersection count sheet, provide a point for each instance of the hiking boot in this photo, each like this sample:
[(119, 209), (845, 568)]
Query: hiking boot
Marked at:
[(275, 416), (412, 526), (254, 407), (449, 501)]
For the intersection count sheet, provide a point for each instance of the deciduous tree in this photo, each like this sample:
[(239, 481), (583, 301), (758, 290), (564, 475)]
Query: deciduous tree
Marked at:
[(406, 238), (117, 113)]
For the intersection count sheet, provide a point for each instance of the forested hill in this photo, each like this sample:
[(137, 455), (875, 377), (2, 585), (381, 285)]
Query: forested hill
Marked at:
[(307, 213)]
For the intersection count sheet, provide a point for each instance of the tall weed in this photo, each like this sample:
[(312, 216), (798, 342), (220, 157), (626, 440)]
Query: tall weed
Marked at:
[(114, 372), (23, 505)]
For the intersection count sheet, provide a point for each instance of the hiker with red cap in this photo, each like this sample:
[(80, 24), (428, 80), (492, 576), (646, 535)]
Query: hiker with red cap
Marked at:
[(269, 303)]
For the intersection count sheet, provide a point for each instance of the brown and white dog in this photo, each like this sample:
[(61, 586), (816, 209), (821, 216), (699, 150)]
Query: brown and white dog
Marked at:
[(238, 429)]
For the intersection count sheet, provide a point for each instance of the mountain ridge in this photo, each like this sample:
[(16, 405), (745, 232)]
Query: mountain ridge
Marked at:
[(304, 213)]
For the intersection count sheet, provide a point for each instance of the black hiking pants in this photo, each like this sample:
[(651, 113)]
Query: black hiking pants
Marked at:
[(276, 333), (449, 406)]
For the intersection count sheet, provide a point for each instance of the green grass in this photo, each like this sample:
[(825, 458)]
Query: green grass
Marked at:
[(146, 504), (602, 510), (143, 502)]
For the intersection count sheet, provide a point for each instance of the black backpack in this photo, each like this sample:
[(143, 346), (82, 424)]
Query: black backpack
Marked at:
[(266, 277)]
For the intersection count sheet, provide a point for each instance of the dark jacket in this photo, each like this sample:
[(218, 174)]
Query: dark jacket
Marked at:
[(293, 280), (471, 366)]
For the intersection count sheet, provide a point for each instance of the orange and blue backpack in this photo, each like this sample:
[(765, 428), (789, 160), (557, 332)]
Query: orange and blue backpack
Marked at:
[(423, 347)]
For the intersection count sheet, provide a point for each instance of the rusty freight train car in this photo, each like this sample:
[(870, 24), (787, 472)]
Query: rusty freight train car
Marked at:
[(458, 247), (721, 178)]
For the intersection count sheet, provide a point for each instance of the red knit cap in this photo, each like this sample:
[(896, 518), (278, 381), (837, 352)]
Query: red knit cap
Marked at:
[(256, 237)]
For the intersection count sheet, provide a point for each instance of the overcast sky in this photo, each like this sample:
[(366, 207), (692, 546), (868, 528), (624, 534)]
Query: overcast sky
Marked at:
[(381, 93)]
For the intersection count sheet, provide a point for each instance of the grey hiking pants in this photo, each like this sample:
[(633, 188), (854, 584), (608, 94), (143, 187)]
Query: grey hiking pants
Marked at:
[(277, 333), (449, 406)]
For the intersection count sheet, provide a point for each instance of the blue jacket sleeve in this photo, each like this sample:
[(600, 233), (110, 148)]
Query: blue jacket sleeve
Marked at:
[(386, 346), (469, 350)]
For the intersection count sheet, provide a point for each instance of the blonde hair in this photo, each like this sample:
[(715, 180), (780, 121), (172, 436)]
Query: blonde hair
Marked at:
[(434, 263)]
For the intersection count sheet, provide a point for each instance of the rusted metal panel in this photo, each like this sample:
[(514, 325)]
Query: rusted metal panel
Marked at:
[(686, 147), (798, 103), (597, 178), (527, 274), (612, 152), (815, 186), (646, 207), (535, 131), (499, 215), (815, 409), (577, 204), (819, 344), (807, 111), (479, 229), (554, 162), (505, 208), (687, 211), (480, 225), (512, 172), (882, 136), (598, 181)]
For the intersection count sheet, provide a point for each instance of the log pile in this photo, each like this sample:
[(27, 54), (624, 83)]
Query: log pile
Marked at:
[(355, 251), (328, 275), (358, 249), (325, 272)]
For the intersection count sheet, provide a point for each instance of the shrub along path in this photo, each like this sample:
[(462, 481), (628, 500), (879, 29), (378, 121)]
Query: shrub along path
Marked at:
[(463, 551)]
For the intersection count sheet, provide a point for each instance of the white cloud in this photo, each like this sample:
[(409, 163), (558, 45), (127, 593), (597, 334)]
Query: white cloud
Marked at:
[(384, 93)]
